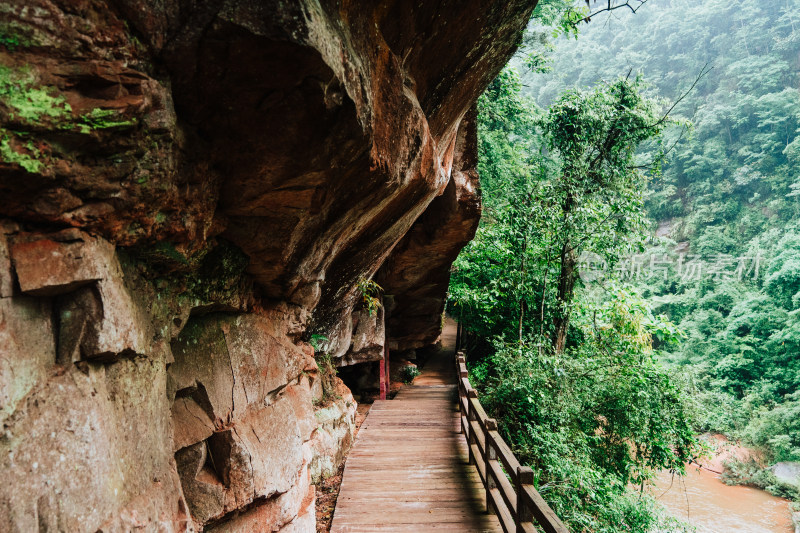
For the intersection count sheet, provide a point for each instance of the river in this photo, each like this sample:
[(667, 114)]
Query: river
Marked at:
[(704, 501)]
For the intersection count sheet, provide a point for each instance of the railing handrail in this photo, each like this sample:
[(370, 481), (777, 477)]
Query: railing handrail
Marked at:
[(516, 502)]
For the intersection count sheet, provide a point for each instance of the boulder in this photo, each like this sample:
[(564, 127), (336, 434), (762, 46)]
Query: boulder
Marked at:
[(256, 457), (236, 361), (359, 338), (334, 434), (202, 487), (86, 450), (787, 472), (289, 509)]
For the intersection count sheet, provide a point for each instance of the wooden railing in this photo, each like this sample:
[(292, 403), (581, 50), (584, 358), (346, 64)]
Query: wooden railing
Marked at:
[(509, 486)]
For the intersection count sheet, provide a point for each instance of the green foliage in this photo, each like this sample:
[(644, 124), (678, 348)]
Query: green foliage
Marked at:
[(602, 414), (590, 422), (103, 119), (14, 36), (371, 295), (751, 473), (316, 341), (728, 190), (555, 182), (27, 103), (32, 108), (777, 428), (11, 42), (327, 375), (35, 106), (408, 373)]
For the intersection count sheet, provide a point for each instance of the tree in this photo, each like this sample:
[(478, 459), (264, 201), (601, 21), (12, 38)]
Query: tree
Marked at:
[(594, 136), (730, 189), (598, 413)]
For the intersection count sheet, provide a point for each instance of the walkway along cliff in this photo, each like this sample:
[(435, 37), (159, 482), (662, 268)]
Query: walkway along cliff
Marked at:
[(191, 190)]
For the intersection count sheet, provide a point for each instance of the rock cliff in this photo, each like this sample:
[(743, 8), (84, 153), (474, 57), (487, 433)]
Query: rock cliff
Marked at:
[(190, 191)]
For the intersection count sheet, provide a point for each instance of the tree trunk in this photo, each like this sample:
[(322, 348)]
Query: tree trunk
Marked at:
[(566, 285), (521, 283)]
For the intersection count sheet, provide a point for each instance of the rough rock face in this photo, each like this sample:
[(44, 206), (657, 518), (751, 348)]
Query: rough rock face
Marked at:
[(336, 420), (190, 190), (359, 337), (417, 272)]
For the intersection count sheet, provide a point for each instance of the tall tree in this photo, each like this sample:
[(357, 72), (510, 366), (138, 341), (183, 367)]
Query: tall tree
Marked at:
[(593, 136)]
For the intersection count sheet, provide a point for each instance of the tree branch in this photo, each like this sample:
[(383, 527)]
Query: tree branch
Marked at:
[(703, 72), (632, 5)]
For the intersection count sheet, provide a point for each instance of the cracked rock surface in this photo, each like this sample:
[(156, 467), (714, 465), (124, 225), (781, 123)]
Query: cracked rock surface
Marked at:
[(192, 192)]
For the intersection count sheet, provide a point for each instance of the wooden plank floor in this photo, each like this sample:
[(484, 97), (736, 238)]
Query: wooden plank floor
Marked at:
[(408, 470)]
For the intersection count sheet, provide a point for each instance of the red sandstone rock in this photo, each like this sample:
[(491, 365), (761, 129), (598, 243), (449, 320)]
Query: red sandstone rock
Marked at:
[(6, 277), (358, 338), (289, 509), (334, 434), (417, 273), (97, 315), (237, 361), (27, 349), (310, 135), (88, 449), (191, 424), (61, 263), (334, 136)]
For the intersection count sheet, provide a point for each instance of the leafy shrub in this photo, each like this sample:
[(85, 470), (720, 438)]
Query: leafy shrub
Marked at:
[(408, 373), (751, 473), (327, 373), (371, 294), (590, 424)]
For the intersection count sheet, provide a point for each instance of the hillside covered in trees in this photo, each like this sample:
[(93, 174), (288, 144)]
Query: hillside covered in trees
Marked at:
[(725, 206), (635, 280)]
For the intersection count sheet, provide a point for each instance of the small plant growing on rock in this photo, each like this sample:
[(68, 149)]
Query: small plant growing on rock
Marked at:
[(327, 375), (408, 373), (316, 341), (371, 295)]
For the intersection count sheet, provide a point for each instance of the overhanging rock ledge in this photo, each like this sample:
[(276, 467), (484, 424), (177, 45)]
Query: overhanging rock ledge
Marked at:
[(189, 191)]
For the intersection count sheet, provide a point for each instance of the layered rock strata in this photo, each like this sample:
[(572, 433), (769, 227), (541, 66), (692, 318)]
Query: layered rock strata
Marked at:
[(193, 191)]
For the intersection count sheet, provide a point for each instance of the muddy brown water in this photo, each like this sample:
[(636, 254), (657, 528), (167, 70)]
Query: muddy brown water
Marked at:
[(704, 501)]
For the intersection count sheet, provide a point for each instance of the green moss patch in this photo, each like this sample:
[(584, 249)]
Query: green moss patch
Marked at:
[(26, 159), (30, 104), (34, 105)]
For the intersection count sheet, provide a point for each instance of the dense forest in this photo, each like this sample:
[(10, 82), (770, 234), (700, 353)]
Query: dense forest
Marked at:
[(635, 280)]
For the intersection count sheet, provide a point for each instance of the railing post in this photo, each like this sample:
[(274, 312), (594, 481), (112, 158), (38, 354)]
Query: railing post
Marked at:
[(490, 455), (462, 393), (471, 393), (382, 378), (524, 514)]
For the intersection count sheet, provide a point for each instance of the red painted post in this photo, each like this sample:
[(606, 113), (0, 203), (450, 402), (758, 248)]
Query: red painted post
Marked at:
[(382, 366), (388, 373)]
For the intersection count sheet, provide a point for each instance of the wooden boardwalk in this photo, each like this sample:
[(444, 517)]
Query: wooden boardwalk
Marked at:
[(408, 469)]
